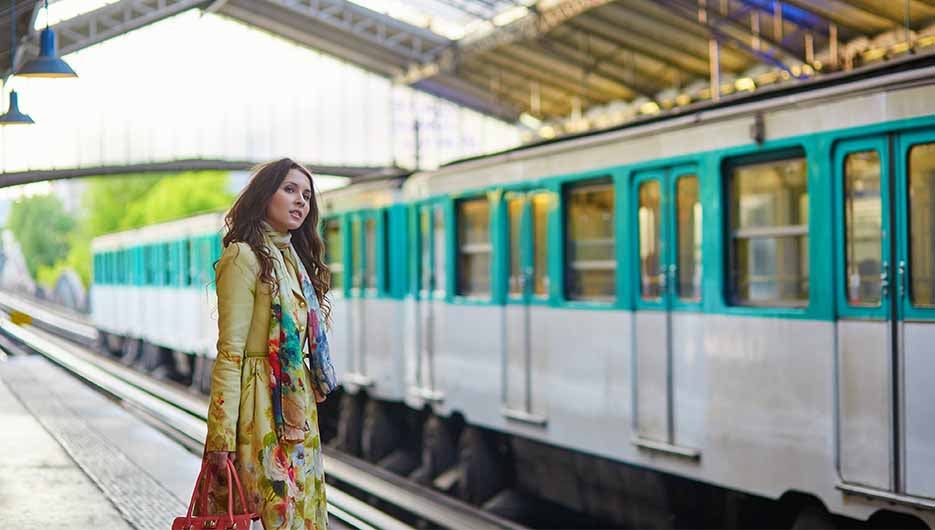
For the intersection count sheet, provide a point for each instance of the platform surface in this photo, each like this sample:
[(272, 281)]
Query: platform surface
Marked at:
[(71, 458)]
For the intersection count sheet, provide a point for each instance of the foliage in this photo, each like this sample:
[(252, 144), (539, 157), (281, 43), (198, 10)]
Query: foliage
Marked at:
[(115, 203), (42, 228), (177, 197)]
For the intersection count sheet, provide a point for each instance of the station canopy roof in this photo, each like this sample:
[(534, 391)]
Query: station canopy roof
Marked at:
[(558, 66)]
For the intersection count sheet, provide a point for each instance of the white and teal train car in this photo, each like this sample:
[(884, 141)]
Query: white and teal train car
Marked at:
[(720, 316), (153, 297), (690, 314)]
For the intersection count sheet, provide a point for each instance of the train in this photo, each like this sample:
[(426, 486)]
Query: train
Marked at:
[(718, 316)]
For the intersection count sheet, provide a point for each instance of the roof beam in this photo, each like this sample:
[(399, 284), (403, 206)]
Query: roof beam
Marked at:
[(671, 31), (592, 68), (413, 43), (538, 74), (572, 75), (827, 14), (639, 44), (535, 23), (109, 21), (510, 85), (875, 10), (727, 30)]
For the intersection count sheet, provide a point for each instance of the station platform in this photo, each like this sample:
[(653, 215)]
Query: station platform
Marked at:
[(71, 458)]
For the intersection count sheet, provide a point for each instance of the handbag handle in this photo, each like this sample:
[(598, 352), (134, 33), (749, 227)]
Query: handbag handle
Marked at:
[(231, 472)]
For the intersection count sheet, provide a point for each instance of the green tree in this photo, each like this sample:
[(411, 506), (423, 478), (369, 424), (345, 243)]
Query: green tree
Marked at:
[(43, 230), (105, 201), (179, 196), (111, 204)]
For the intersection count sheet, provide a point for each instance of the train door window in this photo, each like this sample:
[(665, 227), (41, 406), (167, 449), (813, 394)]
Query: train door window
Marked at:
[(515, 213), (769, 233), (590, 242), (165, 261), (688, 227), (356, 277), (540, 235), (172, 263), (922, 225), (439, 246), (370, 254), (474, 248), (863, 236), (194, 259), (214, 246), (652, 280), (334, 252), (185, 277), (124, 266)]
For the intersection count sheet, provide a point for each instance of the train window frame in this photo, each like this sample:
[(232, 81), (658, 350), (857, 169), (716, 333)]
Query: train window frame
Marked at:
[(360, 218), (728, 236), (335, 220), (455, 233), (604, 180)]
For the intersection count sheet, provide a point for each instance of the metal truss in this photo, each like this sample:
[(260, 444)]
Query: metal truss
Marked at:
[(529, 27), (411, 42), (107, 22)]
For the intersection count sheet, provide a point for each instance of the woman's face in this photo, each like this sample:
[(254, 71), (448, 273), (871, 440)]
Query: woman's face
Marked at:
[(289, 206)]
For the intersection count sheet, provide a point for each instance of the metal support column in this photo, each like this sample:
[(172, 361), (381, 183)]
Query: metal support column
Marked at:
[(715, 64)]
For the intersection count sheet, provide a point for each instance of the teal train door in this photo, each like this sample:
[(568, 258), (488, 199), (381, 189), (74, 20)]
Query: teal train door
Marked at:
[(667, 319), (885, 211), (527, 286), (430, 297)]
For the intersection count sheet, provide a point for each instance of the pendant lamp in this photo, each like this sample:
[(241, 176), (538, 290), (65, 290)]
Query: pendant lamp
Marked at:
[(13, 116), (47, 64)]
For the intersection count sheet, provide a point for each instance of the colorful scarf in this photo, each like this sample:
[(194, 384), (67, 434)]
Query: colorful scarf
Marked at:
[(287, 381)]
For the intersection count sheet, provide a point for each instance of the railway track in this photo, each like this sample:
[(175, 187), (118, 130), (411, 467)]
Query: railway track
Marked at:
[(67, 341)]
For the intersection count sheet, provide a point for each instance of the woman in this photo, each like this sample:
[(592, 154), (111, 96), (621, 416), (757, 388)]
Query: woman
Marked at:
[(271, 287)]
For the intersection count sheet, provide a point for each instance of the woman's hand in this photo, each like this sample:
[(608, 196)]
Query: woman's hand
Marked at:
[(217, 464), (318, 397)]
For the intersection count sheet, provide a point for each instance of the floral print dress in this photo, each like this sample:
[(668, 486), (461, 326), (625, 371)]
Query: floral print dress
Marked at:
[(283, 482)]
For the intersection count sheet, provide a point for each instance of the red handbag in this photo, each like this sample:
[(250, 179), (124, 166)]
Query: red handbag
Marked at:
[(218, 522)]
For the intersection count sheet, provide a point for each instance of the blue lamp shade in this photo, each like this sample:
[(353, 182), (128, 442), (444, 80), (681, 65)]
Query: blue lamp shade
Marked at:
[(13, 116), (47, 64)]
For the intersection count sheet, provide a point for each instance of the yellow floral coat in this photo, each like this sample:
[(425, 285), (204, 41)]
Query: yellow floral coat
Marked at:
[(283, 482)]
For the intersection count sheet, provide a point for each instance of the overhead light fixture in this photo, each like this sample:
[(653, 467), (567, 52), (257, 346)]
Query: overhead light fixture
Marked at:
[(13, 116), (48, 63)]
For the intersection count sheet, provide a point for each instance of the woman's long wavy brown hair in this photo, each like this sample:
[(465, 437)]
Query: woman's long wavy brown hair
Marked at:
[(243, 223)]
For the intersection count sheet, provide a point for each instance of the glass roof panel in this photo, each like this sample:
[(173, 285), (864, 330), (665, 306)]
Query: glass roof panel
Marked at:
[(452, 19)]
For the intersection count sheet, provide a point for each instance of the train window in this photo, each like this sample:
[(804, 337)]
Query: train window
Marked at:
[(172, 262), (769, 233), (439, 246), (474, 247), (425, 259), (334, 252), (922, 224), (194, 259), (124, 266), (688, 226), (652, 275), (370, 254), (863, 238), (356, 278), (540, 241), (185, 276), (515, 212), (590, 241)]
